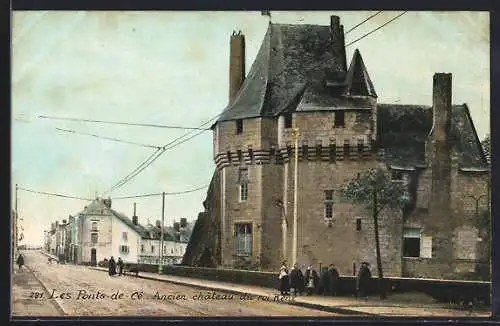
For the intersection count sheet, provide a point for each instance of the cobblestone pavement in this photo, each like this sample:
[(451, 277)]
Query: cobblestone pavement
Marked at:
[(81, 291), (24, 285)]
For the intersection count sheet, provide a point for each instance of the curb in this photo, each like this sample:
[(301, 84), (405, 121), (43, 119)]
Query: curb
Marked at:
[(47, 292), (314, 306), (49, 255)]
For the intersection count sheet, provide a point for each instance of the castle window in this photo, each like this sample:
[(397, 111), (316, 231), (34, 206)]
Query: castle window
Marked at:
[(240, 155), (142, 248), (358, 224), (239, 126), (124, 235), (243, 239), (93, 238), (229, 159), (396, 175), (124, 249), (94, 226), (411, 242), (288, 120), (360, 146), (152, 249), (243, 184), (339, 119), (328, 204)]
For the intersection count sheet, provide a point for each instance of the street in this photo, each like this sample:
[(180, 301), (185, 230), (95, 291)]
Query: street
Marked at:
[(80, 291)]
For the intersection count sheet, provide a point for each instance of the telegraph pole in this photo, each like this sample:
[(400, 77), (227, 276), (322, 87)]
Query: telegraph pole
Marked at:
[(160, 265), (294, 246), (15, 231)]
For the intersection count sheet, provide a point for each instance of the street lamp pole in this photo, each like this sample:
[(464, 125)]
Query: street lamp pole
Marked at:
[(15, 231), (160, 265), (295, 230)]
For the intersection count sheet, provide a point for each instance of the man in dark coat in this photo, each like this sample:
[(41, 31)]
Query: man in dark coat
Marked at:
[(324, 281), (296, 278), (333, 276), (363, 280), (111, 266), (120, 266), (20, 261)]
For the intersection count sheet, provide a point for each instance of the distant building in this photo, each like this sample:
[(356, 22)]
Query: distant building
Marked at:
[(99, 232), (173, 248), (103, 232)]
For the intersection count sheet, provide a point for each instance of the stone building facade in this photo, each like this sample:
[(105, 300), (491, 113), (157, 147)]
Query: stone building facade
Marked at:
[(300, 80)]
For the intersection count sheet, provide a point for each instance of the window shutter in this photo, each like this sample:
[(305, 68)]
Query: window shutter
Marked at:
[(426, 247)]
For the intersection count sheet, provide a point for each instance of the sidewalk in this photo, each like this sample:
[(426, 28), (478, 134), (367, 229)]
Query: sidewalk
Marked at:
[(24, 288), (372, 306)]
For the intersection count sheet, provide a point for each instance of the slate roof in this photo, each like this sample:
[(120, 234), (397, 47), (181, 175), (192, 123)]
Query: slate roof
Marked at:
[(141, 230), (403, 130), (167, 236), (296, 68), (291, 58)]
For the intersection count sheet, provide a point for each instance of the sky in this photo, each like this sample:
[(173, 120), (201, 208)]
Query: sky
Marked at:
[(171, 68)]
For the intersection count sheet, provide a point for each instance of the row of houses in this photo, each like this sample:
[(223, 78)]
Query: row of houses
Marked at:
[(99, 232)]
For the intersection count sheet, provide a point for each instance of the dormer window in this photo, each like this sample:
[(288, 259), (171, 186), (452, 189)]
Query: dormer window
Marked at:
[(288, 120), (239, 126)]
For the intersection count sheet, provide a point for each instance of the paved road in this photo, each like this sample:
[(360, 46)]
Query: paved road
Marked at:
[(80, 291)]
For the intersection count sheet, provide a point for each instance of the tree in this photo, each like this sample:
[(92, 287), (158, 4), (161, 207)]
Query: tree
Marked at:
[(375, 189), (486, 143)]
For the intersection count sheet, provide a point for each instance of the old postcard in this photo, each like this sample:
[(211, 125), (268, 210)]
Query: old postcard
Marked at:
[(239, 164)]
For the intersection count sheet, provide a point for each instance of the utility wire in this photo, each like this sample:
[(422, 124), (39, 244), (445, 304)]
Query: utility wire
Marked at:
[(364, 21), (108, 138), (150, 161), (376, 29), (53, 194), (158, 153), (122, 123), (172, 144), (160, 193)]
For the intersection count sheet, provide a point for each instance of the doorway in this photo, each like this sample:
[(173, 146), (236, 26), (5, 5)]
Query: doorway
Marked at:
[(93, 257)]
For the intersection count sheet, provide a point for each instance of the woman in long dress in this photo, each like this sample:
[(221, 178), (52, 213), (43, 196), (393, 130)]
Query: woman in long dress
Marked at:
[(284, 279)]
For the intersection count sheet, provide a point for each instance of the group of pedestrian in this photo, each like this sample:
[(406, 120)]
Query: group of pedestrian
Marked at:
[(294, 281), (329, 281), (113, 266)]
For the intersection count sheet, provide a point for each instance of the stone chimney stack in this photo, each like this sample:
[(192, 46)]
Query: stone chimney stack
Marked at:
[(338, 42), (236, 64), (439, 152), (135, 219)]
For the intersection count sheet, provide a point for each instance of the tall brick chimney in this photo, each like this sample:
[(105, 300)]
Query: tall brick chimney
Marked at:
[(236, 64), (439, 150), (338, 42)]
